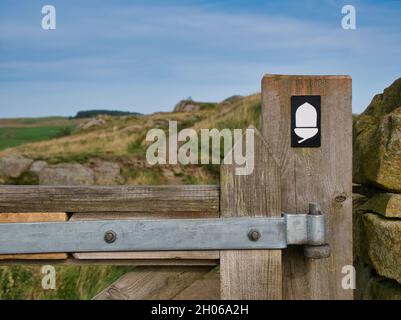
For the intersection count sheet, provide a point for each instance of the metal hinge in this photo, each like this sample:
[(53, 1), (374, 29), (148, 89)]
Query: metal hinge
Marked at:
[(309, 230), (169, 235)]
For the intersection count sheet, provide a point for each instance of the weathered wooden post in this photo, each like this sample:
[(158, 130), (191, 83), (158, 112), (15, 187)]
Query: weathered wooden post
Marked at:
[(314, 152), (251, 274)]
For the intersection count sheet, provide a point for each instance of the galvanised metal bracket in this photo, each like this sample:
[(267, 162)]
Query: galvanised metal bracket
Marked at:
[(168, 234)]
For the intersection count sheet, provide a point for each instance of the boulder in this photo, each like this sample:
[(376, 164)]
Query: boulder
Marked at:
[(382, 242), (13, 166), (385, 102), (159, 123), (368, 250), (385, 204), (67, 174), (37, 166), (186, 105), (377, 141), (107, 173), (92, 123)]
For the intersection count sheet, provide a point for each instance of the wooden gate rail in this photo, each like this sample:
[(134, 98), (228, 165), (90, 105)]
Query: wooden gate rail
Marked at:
[(116, 202), (201, 199)]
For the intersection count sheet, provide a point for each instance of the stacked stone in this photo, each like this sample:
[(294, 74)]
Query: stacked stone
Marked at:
[(377, 198)]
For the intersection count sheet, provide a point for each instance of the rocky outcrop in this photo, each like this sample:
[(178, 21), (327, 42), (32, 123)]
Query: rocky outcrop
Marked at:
[(107, 173), (13, 166), (67, 174), (93, 123), (377, 141), (186, 105), (386, 102), (37, 167), (97, 173)]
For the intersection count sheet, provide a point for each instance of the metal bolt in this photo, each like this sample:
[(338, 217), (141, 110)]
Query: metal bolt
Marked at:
[(254, 235), (340, 198), (314, 209), (110, 236)]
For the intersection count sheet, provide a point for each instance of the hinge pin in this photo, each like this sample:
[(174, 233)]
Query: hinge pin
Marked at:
[(316, 251)]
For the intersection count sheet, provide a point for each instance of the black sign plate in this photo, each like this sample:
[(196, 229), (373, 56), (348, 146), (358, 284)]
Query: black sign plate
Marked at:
[(305, 121)]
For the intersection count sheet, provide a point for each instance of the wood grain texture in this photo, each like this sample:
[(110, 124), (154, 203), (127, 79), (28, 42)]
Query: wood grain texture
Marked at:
[(150, 255), (114, 262), (207, 288), (142, 215), (145, 255), (152, 283), (314, 175), (33, 217), (251, 274), (172, 198)]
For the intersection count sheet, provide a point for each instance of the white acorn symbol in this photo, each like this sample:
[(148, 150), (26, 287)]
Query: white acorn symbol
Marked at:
[(306, 122)]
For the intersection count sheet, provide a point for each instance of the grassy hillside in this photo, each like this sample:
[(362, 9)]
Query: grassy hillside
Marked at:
[(124, 135), (121, 140), (14, 132), (12, 137)]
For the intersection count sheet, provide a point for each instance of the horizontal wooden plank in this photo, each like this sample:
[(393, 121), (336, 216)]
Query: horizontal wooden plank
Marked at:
[(207, 288), (150, 255), (33, 217), (114, 262), (171, 198), (34, 256), (90, 216), (152, 283), (15, 217)]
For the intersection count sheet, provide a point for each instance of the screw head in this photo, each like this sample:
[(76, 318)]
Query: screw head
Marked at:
[(254, 235), (110, 236)]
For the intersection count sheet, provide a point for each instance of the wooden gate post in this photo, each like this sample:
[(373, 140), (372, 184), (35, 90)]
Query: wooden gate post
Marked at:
[(251, 274), (319, 174)]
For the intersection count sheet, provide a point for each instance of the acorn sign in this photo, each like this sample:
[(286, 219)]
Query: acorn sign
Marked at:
[(305, 121)]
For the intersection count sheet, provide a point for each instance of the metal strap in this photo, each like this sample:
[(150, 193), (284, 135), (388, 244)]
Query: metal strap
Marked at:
[(161, 235)]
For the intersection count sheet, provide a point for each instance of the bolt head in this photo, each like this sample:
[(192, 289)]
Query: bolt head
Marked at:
[(110, 236), (254, 235)]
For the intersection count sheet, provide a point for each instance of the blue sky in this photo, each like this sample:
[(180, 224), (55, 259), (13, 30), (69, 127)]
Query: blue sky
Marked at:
[(146, 55)]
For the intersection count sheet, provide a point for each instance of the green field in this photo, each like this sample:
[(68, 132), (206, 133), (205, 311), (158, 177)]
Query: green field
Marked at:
[(14, 136)]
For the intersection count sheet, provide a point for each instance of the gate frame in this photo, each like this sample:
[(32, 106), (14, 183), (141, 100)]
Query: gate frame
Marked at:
[(284, 179)]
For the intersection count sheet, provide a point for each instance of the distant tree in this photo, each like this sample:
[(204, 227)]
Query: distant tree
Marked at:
[(94, 113)]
